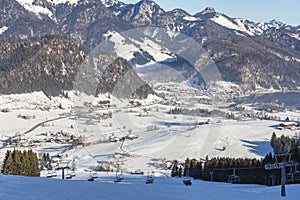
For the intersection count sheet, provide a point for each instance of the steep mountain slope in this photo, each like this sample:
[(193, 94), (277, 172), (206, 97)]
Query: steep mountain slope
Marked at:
[(22, 23), (88, 21), (47, 63), (51, 63), (253, 55), (251, 62)]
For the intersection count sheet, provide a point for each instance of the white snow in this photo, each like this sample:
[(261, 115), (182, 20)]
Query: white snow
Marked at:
[(28, 5), (122, 48), (109, 3), (126, 47), (295, 35), (248, 139), (190, 18), (238, 24), (56, 2), (32, 101), (271, 24), (134, 188), (3, 29)]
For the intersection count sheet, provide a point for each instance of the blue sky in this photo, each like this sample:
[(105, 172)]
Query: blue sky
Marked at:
[(287, 11)]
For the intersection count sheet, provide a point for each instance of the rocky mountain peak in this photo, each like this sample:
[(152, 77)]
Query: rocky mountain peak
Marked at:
[(208, 10)]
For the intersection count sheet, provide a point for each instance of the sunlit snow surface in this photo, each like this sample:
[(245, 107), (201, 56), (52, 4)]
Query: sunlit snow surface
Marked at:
[(134, 188)]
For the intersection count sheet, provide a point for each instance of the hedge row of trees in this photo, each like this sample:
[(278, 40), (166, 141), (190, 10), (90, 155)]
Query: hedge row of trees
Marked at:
[(21, 163), (249, 171)]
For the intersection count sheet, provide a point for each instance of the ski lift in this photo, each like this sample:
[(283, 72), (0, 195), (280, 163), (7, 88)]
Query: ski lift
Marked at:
[(94, 175), (118, 178), (121, 176), (150, 179), (68, 176), (73, 174), (54, 174), (91, 179), (234, 178), (187, 181), (49, 175)]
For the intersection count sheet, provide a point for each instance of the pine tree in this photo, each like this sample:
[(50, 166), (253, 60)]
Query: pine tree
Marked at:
[(16, 155), (273, 139), (174, 171), (8, 163)]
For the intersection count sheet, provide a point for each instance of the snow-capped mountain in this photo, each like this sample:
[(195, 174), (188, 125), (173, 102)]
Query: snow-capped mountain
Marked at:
[(142, 13), (241, 25), (247, 53), (272, 24)]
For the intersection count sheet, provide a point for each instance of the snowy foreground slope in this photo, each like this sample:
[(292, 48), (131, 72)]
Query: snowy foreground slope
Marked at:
[(133, 188)]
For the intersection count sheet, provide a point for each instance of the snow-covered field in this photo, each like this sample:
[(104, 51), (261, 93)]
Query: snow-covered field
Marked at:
[(134, 188), (155, 138), (159, 139)]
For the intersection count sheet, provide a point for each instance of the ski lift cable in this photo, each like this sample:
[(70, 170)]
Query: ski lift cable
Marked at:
[(232, 168)]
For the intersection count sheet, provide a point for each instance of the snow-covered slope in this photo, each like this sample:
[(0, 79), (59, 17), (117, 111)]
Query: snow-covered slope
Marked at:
[(272, 24), (156, 139), (110, 3), (32, 6), (134, 188), (3, 29), (127, 47), (28, 5), (237, 24)]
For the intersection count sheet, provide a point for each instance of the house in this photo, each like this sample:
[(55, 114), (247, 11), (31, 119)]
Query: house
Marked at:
[(288, 125)]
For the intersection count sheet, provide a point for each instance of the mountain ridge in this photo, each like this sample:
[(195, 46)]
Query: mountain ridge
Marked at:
[(253, 55)]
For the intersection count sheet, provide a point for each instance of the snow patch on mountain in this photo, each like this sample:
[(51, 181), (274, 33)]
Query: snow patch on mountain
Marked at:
[(295, 35), (3, 29), (271, 24), (127, 47), (237, 24), (110, 3), (28, 5), (56, 2), (122, 48), (189, 18), (31, 6)]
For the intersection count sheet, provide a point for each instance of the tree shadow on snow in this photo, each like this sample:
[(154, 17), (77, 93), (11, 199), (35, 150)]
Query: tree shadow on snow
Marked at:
[(260, 148)]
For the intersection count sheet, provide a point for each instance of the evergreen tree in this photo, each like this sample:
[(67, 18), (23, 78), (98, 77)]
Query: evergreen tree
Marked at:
[(273, 139), (8, 163), (174, 171), (16, 155)]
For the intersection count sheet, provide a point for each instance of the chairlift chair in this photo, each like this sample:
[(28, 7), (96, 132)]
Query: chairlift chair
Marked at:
[(95, 175), (49, 175), (91, 179), (118, 178), (73, 174), (54, 174), (68, 176), (187, 182), (149, 179)]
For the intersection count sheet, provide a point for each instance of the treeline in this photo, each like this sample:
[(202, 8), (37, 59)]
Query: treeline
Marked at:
[(23, 163), (284, 144), (244, 170), (235, 170)]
